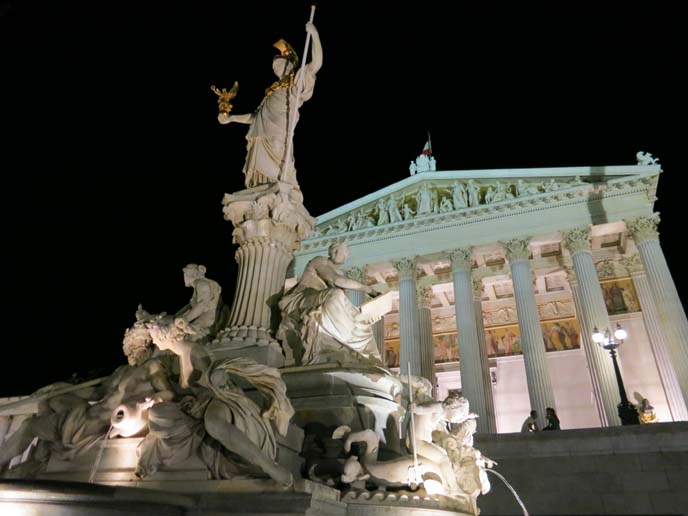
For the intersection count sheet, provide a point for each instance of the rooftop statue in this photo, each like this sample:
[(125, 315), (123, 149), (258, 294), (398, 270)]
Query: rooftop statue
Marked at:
[(645, 158), (270, 136)]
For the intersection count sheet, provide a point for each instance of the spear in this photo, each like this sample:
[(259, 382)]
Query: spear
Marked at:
[(294, 107)]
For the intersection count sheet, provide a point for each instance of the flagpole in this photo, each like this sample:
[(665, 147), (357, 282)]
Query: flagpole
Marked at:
[(429, 143), (292, 112)]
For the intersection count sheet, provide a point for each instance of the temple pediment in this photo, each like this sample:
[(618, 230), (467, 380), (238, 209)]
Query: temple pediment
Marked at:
[(435, 196)]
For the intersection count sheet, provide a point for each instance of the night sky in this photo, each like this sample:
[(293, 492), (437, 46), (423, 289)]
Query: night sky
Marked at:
[(114, 165)]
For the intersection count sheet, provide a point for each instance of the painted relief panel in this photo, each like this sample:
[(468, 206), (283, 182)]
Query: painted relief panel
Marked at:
[(502, 341), (619, 296), (392, 352)]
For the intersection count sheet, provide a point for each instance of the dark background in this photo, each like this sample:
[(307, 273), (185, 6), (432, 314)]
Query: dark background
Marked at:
[(114, 165)]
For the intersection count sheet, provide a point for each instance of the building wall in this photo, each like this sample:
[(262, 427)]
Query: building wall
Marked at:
[(571, 382), (601, 471)]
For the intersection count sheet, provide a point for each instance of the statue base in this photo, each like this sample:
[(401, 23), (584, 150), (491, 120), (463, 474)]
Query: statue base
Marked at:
[(119, 459), (265, 351), (326, 396), (209, 498)]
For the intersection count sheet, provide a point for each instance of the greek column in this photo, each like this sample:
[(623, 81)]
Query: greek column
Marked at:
[(594, 314), (379, 334), (266, 242), (539, 384), (357, 297), (667, 375), (490, 423), (425, 298), (667, 302), (472, 383), (588, 345), (408, 317)]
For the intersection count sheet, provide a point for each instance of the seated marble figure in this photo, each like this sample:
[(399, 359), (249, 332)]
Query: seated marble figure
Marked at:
[(319, 323)]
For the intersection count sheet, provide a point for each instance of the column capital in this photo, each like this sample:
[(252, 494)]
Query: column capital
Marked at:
[(357, 274), (406, 267), (577, 239), (425, 296), (461, 258), (633, 264), (643, 228), (517, 249)]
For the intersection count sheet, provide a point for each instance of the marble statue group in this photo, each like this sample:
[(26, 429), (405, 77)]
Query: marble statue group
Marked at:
[(206, 383)]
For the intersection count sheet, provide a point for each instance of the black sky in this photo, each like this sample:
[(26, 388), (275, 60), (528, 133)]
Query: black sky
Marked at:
[(114, 164)]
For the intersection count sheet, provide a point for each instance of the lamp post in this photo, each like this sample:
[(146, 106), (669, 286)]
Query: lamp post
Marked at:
[(627, 412)]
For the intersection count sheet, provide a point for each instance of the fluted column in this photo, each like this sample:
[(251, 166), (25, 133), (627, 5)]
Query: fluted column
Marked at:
[(263, 266), (537, 376), (489, 424), (267, 241), (667, 375), (356, 296), (472, 385), (588, 346), (594, 314), (425, 298), (669, 308), (408, 317), (379, 334)]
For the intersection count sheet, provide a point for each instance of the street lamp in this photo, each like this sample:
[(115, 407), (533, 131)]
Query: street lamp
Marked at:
[(609, 341)]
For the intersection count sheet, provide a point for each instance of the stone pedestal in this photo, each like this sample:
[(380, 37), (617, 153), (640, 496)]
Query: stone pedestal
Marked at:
[(269, 223), (362, 397)]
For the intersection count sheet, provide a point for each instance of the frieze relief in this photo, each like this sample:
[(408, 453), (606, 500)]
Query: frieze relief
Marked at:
[(432, 199), (375, 219)]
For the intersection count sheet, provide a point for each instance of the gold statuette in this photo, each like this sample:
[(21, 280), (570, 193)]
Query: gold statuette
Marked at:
[(224, 97)]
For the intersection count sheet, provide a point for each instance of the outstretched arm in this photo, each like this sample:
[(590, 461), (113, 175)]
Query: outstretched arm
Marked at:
[(335, 278), (316, 51), (225, 118)]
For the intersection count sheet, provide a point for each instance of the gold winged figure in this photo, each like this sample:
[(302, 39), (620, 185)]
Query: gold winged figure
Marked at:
[(224, 97)]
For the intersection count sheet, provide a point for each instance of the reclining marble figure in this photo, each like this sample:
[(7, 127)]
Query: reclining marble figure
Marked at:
[(215, 420), (68, 425)]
